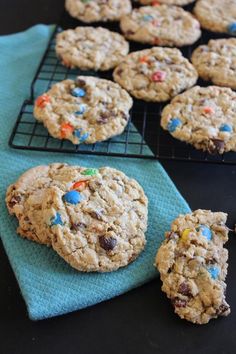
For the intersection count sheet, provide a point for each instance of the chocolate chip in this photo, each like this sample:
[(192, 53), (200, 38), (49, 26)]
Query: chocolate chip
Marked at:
[(222, 309), (77, 226), (211, 261), (96, 215), (171, 235), (107, 243), (179, 302), (129, 33), (184, 289), (119, 72), (14, 200), (81, 83), (216, 146)]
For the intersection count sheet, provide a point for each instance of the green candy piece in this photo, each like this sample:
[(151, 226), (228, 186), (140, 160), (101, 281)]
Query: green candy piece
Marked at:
[(89, 172)]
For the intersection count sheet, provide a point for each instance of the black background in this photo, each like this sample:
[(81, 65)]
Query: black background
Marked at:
[(141, 321)]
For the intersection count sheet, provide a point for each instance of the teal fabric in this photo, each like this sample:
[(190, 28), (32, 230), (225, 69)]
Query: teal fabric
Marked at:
[(49, 286)]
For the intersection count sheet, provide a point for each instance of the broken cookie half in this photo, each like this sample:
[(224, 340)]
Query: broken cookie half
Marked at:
[(192, 262)]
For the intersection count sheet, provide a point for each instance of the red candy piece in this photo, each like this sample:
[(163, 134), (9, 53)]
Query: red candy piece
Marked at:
[(66, 130), (80, 185), (155, 3), (42, 101), (209, 110), (158, 76)]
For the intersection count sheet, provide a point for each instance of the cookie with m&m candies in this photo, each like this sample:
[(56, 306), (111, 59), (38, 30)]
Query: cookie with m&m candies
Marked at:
[(192, 262), (85, 110)]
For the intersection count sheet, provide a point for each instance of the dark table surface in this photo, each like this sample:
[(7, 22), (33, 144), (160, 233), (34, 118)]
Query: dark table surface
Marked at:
[(141, 321)]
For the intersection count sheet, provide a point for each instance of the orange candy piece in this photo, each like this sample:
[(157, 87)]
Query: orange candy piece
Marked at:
[(209, 110), (80, 185), (42, 101), (144, 59), (66, 130)]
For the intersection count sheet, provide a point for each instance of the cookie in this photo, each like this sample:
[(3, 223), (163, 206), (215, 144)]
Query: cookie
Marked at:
[(192, 262), (155, 74), (216, 62), (24, 198), (167, 2), (204, 117), (99, 222), (161, 25), (98, 10), (217, 15), (86, 110), (91, 48)]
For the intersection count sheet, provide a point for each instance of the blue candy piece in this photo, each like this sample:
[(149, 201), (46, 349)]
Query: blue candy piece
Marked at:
[(147, 18), (214, 272), (84, 137), (232, 28), (205, 231), (77, 132), (82, 109), (226, 128), (56, 220), (173, 124), (72, 197), (78, 92)]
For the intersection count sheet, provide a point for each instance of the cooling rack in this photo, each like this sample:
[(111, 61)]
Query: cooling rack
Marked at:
[(143, 136)]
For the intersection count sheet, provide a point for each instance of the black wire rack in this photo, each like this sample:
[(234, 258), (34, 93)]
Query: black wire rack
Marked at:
[(143, 136)]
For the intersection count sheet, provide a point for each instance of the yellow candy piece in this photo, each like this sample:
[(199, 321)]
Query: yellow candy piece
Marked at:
[(185, 234)]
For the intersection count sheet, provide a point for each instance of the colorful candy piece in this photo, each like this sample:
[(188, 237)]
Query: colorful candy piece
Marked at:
[(84, 137), (80, 185), (56, 220), (72, 197), (147, 18), (89, 172), (80, 136), (78, 92), (155, 3), (144, 59), (173, 124), (208, 110), (232, 28), (226, 128), (158, 76), (205, 231), (214, 272), (42, 101), (66, 130), (185, 234), (81, 110)]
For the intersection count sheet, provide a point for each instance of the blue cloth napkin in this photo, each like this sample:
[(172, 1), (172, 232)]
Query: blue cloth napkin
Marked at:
[(50, 286)]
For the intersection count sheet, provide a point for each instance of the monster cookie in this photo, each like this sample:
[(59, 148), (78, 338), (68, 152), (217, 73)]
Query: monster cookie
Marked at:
[(86, 110), (167, 2), (91, 48), (98, 223), (193, 265), (217, 15), (204, 117), (155, 74), (216, 61), (161, 25), (98, 10), (24, 198)]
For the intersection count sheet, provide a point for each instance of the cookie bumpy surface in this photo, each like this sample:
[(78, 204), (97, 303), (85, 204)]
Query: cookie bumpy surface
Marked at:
[(167, 2), (91, 48), (98, 10), (161, 25), (216, 62), (98, 223), (204, 117), (86, 110), (217, 15), (193, 265), (155, 74)]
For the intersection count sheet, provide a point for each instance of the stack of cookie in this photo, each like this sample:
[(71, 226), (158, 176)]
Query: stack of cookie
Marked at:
[(95, 219)]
